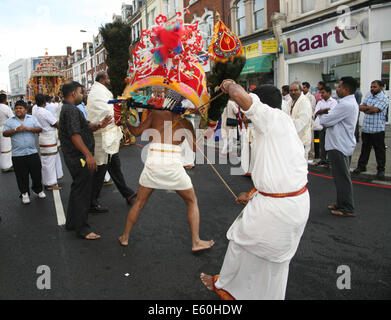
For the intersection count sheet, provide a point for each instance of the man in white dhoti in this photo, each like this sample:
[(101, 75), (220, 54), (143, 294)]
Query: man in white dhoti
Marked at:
[(188, 155), (266, 235), (107, 142), (300, 110), (47, 143), (5, 142), (55, 109), (164, 170), (229, 133)]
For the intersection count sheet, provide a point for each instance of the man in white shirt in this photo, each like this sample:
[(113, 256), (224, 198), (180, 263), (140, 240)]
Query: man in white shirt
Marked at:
[(228, 133), (188, 155), (299, 108), (47, 143), (327, 103), (55, 109), (285, 94), (107, 143), (5, 143), (266, 235), (309, 95)]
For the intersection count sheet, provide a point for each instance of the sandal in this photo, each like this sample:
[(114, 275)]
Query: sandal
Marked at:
[(332, 207), (342, 214)]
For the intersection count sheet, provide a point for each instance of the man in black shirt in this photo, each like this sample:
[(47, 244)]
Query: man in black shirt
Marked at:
[(78, 144)]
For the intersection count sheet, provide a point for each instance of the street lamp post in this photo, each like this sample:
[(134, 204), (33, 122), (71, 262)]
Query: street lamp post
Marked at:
[(93, 47)]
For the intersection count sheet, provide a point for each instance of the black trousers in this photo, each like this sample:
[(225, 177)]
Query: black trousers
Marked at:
[(114, 168), (340, 168), (375, 140), (322, 149), (79, 198), (27, 166)]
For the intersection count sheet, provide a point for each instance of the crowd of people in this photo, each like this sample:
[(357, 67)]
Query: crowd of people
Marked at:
[(265, 236)]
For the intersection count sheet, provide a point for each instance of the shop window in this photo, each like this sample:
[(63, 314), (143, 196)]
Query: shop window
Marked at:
[(330, 69), (259, 14), (385, 74), (307, 5), (387, 55), (241, 18)]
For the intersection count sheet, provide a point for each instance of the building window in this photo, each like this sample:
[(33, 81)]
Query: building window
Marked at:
[(241, 18), (168, 8), (259, 14), (307, 5)]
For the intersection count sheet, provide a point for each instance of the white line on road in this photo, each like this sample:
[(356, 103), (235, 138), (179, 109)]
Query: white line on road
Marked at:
[(59, 208)]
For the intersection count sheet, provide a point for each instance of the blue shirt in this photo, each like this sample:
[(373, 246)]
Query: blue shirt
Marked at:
[(83, 109), (23, 143), (376, 122), (341, 124)]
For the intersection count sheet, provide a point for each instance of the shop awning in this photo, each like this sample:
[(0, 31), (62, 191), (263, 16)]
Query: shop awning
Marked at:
[(262, 63)]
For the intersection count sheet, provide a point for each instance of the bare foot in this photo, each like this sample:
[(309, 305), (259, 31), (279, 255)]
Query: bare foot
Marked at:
[(92, 236), (207, 281), (124, 241), (202, 245)]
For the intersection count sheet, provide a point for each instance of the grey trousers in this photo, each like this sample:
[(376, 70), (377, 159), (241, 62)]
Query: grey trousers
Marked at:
[(340, 168)]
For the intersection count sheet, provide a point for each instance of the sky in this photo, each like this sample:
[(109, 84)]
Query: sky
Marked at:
[(28, 27)]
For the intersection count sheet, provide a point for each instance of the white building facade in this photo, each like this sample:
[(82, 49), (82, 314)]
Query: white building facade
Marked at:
[(356, 43)]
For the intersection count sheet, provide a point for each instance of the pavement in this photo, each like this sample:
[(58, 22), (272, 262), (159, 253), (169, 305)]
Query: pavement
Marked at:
[(370, 174), (159, 265)]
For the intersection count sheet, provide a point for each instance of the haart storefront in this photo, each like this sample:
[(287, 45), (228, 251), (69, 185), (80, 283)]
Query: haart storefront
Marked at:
[(357, 46)]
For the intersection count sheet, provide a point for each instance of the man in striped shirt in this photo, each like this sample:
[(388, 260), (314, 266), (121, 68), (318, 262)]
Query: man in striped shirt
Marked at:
[(375, 107)]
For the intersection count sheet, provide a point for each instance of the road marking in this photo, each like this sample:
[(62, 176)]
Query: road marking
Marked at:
[(59, 208)]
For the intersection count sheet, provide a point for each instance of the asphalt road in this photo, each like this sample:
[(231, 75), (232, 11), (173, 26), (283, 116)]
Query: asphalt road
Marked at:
[(159, 259)]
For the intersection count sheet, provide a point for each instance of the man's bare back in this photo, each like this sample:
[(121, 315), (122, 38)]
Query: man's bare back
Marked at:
[(168, 128)]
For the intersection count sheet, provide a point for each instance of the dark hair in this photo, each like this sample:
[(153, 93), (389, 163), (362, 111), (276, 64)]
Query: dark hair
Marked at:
[(101, 75), (57, 99), (269, 95), (29, 102), (306, 84), (285, 88), (40, 100), (3, 97), (379, 82), (350, 83), (48, 98), (21, 103), (322, 83), (70, 87), (327, 89)]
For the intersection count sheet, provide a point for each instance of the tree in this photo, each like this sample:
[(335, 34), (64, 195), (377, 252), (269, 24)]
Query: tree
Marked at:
[(116, 40)]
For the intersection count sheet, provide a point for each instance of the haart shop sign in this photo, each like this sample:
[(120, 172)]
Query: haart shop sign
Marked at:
[(319, 38)]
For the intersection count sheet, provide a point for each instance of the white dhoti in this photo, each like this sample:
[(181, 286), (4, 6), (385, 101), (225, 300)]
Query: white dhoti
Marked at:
[(59, 171), (164, 169), (248, 277), (188, 155), (246, 159), (5, 152), (264, 239), (49, 152)]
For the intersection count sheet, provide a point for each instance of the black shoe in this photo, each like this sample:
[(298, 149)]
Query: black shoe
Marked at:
[(99, 209), (129, 199), (380, 175), (358, 171)]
